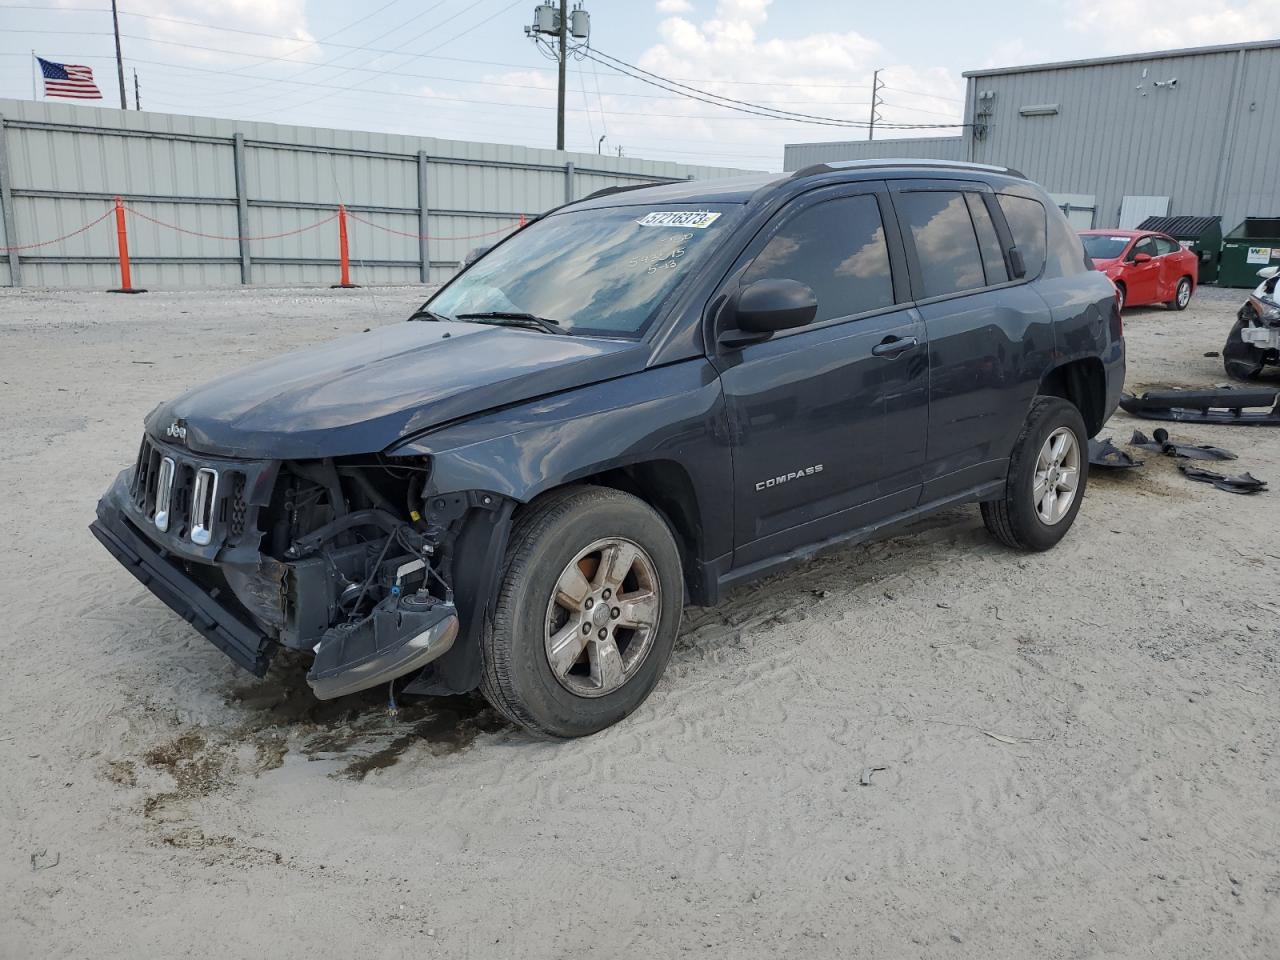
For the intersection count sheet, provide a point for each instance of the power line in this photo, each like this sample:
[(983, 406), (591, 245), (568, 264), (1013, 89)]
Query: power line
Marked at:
[(398, 73), (325, 41), (412, 57), (742, 106), (921, 93), (341, 89)]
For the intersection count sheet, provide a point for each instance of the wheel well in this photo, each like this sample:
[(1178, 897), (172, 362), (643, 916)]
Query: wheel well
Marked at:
[(1083, 383), (664, 485)]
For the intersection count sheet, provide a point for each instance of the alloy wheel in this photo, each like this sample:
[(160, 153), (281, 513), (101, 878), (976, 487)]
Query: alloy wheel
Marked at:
[(602, 617), (1057, 476)]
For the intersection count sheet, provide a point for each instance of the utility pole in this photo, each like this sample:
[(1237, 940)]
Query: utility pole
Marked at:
[(558, 32), (564, 56), (137, 91), (876, 87), (115, 24)]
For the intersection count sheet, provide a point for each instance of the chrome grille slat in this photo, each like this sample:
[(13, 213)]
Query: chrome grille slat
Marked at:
[(164, 493), (204, 506), (189, 497)]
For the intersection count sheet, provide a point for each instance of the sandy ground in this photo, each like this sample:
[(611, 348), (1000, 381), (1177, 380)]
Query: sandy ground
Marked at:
[(1075, 753)]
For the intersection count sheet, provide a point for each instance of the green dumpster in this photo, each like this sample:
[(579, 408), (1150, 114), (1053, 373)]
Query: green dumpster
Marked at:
[(1201, 235), (1247, 249)]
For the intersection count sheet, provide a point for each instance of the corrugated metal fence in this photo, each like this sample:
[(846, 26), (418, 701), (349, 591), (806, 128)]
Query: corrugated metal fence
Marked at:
[(219, 202)]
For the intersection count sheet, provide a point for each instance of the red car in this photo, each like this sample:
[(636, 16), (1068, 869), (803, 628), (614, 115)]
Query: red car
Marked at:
[(1145, 267)]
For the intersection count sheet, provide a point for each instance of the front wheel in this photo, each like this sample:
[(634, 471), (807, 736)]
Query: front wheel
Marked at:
[(1181, 296), (1242, 360), (586, 615), (1121, 297), (1047, 476)]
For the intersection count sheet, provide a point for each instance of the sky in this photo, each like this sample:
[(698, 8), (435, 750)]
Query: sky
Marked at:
[(464, 69)]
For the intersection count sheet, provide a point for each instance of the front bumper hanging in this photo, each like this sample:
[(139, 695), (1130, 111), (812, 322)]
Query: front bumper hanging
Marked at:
[(247, 646)]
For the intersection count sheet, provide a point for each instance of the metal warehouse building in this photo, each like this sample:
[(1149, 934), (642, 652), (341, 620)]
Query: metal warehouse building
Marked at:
[(1116, 139)]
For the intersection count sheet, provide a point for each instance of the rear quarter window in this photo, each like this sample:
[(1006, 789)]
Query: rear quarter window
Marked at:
[(1028, 224)]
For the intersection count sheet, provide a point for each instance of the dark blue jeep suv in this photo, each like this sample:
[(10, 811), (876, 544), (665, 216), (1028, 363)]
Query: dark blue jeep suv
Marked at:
[(637, 401)]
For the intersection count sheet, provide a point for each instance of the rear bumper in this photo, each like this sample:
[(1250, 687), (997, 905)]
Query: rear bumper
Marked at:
[(165, 577)]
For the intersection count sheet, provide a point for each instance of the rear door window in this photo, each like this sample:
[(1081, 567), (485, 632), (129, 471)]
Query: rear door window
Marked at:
[(1026, 219), (942, 231), (836, 248), (988, 242)]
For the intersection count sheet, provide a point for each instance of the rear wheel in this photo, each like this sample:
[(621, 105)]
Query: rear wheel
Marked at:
[(587, 613), (1047, 476), (1181, 296)]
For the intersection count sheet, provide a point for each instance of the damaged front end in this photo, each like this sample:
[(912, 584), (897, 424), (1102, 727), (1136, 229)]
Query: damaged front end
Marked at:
[(341, 557), (1254, 340)]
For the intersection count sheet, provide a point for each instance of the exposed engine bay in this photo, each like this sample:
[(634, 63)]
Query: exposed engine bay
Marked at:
[(343, 558)]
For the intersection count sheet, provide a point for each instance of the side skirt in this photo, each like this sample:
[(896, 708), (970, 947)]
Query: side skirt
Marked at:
[(724, 582)]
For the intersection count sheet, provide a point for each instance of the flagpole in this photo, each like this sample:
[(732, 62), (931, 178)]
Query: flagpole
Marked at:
[(35, 68), (115, 23)]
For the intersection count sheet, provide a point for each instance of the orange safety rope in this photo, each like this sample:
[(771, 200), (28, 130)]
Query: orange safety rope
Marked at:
[(428, 236), (214, 236), (44, 243)]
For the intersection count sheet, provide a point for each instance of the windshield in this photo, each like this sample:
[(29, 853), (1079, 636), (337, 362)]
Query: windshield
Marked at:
[(603, 271), (1101, 246)]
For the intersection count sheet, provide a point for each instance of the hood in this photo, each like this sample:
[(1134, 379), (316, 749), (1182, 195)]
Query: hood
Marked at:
[(363, 393)]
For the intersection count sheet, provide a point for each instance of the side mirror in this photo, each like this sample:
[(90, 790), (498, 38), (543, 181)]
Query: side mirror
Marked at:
[(1142, 258), (763, 308), (1266, 273)]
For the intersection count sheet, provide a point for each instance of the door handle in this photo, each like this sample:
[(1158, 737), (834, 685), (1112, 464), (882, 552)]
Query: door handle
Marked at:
[(891, 347)]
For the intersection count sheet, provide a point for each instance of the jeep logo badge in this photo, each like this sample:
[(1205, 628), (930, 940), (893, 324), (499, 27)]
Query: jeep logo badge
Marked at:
[(177, 430)]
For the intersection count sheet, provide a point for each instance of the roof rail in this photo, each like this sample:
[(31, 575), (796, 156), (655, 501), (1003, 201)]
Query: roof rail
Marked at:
[(608, 191), (834, 165)]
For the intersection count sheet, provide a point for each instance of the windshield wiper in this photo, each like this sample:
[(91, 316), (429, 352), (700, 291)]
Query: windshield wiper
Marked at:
[(422, 313), (513, 319)]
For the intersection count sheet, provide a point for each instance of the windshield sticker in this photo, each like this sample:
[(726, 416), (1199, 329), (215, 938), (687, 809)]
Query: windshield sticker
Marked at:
[(664, 254), (1120, 239), (695, 219)]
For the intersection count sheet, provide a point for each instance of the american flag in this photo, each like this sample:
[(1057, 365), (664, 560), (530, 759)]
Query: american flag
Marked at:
[(68, 80)]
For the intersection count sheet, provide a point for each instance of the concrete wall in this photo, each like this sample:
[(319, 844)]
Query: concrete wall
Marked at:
[(1211, 143), (62, 165)]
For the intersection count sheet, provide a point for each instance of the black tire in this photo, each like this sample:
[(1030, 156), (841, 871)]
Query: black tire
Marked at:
[(548, 534), (1122, 299), (1013, 519), (1179, 302), (1241, 360)]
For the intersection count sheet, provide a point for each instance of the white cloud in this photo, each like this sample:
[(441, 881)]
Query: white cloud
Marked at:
[(674, 6), (1134, 25), (731, 53)]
